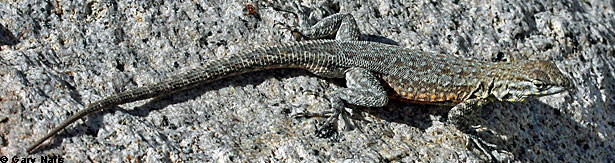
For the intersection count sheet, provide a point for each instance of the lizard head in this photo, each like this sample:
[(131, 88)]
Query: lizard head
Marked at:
[(530, 79)]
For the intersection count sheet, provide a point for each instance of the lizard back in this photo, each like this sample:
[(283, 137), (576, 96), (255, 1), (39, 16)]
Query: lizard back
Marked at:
[(418, 77)]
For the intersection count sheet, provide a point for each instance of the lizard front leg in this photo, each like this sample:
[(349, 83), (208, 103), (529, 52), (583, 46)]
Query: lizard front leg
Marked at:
[(466, 109)]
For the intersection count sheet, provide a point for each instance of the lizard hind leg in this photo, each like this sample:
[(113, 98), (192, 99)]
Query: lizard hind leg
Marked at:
[(363, 89), (341, 25)]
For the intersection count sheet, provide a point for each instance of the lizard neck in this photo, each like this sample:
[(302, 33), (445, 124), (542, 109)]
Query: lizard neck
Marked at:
[(506, 75), (492, 80)]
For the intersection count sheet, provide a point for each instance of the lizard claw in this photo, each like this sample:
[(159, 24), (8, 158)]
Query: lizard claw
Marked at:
[(338, 110), (312, 115), (323, 130), (480, 143), (296, 9), (299, 13), (294, 31)]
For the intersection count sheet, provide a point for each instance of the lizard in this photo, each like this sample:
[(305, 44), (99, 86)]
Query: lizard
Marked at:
[(374, 73)]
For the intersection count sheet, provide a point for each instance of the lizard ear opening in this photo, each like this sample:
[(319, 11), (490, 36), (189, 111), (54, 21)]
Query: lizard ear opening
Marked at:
[(510, 94), (500, 94)]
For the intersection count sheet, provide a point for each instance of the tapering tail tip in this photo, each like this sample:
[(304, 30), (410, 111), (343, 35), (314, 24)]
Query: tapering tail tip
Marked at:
[(36, 144)]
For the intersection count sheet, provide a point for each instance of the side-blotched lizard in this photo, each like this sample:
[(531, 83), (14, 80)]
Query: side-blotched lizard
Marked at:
[(370, 69)]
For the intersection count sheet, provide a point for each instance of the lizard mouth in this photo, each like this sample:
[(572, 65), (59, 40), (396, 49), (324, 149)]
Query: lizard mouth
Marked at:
[(552, 90)]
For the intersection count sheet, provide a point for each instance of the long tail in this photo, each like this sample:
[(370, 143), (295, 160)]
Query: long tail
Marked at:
[(286, 55)]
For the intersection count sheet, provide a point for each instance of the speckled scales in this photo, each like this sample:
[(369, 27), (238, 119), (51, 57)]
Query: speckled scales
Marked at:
[(413, 76)]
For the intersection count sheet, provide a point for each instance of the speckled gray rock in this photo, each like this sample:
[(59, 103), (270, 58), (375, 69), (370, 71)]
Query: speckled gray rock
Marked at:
[(56, 57)]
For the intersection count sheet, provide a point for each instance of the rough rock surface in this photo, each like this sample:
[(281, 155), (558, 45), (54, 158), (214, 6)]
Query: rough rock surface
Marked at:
[(57, 56)]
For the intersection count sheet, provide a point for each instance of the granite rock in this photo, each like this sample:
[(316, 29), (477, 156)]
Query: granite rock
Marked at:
[(57, 56)]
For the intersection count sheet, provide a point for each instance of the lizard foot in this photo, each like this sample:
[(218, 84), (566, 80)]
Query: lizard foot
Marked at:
[(294, 31), (477, 142), (480, 143), (330, 125), (299, 13)]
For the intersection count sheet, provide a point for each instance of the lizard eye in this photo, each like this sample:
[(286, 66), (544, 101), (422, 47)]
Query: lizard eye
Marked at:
[(538, 84)]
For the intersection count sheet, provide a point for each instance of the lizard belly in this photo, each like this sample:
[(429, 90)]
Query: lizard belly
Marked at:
[(409, 91), (422, 98)]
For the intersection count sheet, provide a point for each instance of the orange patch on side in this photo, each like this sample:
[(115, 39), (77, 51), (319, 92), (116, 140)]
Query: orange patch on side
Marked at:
[(416, 101), (433, 97), (451, 96), (409, 96), (422, 97), (440, 97), (403, 95)]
